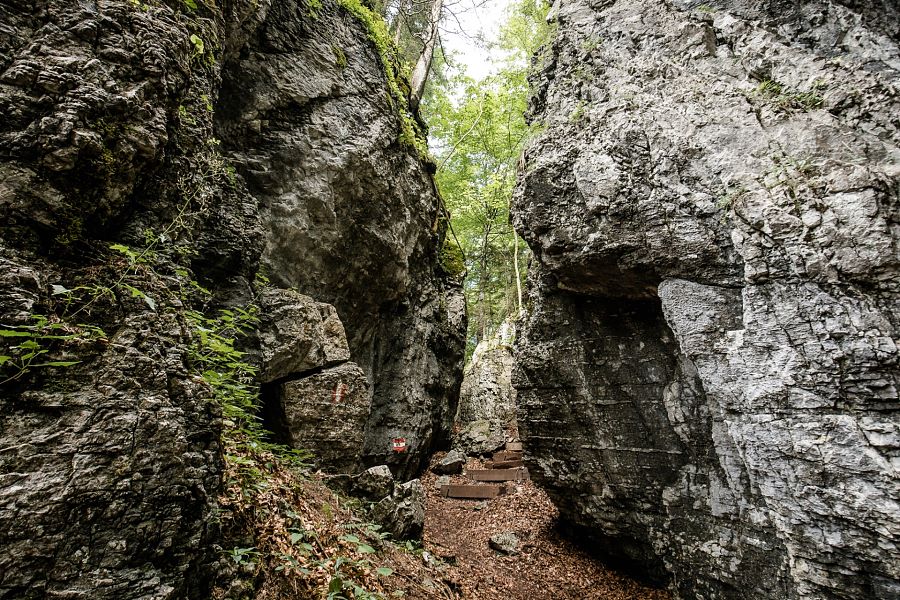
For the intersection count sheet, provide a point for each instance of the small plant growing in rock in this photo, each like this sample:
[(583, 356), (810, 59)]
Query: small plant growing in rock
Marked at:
[(578, 113), (783, 98), (729, 197)]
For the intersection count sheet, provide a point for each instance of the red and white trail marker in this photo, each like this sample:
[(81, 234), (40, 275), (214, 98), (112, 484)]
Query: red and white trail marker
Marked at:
[(339, 392), (398, 444)]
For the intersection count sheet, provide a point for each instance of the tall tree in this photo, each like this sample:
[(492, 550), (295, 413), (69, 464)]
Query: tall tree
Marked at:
[(477, 131), (423, 64)]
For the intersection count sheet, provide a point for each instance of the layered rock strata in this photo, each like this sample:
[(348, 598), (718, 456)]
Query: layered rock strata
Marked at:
[(708, 379)]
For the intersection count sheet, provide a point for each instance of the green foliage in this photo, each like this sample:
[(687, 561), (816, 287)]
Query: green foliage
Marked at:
[(340, 58), (313, 8), (26, 347), (395, 71), (199, 45), (783, 98), (243, 555), (577, 113), (478, 132), (452, 259)]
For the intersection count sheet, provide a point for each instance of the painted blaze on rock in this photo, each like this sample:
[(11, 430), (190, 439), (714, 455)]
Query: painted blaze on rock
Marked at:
[(708, 380), (327, 413)]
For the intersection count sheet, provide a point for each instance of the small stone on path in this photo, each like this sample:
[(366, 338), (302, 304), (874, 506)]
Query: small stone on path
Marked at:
[(451, 464), (505, 543)]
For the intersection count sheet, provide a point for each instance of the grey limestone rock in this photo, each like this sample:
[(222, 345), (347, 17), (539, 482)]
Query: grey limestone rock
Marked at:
[(479, 438), (451, 464), (402, 514), (327, 413), (487, 393), (505, 543), (237, 137), (374, 483), (349, 214), (298, 334), (708, 379)]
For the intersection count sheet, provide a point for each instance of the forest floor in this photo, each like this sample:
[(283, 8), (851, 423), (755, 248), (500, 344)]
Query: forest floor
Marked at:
[(547, 565)]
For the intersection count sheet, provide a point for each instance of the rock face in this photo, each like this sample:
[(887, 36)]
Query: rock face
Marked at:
[(708, 380), (451, 464), (487, 393), (206, 142), (349, 215), (402, 514)]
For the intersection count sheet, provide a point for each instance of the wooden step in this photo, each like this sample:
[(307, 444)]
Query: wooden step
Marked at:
[(514, 474), (514, 446), (475, 492), (506, 455), (507, 464)]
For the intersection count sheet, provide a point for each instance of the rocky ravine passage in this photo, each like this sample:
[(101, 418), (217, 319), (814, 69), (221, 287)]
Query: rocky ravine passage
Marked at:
[(224, 139), (708, 382)]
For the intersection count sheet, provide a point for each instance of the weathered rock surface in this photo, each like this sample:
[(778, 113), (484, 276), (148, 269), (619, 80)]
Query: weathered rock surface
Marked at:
[(505, 543), (487, 393), (708, 380), (298, 334), (327, 413), (402, 514), (374, 483), (451, 464), (350, 215), (121, 123), (479, 438)]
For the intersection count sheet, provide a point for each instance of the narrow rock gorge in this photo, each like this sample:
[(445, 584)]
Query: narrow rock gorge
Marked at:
[(164, 161), (233, 315), (708, 377)]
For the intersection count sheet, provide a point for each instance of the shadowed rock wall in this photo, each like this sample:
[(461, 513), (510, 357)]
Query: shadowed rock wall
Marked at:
[(350, 215), (708, 379), (227, 136)]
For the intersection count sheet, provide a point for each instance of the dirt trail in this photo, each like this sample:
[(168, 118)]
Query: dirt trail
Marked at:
[(547, 567)]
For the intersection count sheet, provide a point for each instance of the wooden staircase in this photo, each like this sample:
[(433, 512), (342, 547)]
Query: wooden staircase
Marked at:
[(505, 465)]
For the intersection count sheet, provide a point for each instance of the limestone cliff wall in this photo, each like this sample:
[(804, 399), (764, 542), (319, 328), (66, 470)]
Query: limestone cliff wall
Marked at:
[(708, 380), (211, 141)]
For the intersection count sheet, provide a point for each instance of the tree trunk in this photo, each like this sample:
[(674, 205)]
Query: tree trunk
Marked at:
[(397, 25), (423, 65)]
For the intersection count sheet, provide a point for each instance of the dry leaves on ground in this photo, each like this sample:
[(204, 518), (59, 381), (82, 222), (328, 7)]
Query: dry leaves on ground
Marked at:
[(548, 566)]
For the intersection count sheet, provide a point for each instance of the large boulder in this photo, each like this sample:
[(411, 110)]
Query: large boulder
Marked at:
[(708, 379), (402, 514), (327, 413), (298, 334)]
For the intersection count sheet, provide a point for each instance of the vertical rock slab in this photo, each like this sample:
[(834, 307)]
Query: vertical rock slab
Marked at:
[(708, 380), (110, 467), (487, 392), (327, 413), (487, 399)]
